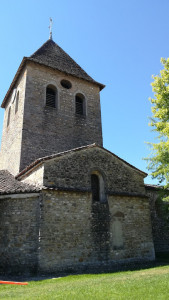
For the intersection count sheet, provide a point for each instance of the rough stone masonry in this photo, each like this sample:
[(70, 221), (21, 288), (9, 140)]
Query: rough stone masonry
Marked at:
[(66, 203)]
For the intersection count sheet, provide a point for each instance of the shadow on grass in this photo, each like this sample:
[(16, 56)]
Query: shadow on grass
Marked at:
[(162, 259)]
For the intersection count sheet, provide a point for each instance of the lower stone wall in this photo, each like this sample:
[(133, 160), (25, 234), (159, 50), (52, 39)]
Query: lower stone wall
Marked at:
[(60, 231), (130, 219), (19, 232), (74, 232), (159, 217), (65, 231)]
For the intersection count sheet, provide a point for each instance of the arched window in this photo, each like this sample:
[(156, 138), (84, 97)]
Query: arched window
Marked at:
[(80, 104), (9, 116), (97, 187), (51, 96), (17, 102)]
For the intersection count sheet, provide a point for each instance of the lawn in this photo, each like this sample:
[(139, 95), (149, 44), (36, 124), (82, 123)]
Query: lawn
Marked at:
[(144, 284)]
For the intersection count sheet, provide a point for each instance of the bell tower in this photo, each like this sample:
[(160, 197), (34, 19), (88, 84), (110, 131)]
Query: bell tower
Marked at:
[(52, 106)]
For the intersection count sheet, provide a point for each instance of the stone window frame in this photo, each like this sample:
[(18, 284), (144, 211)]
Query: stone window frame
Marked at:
[(102, 185), (84, 98), (54, 87)]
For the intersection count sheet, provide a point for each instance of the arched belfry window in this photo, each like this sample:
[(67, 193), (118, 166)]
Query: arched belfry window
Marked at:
[(97, 187), (80, 105), (9, 116), (51, 96)]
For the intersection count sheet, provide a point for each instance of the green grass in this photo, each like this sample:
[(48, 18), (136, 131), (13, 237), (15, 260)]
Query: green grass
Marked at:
[(144, 284)]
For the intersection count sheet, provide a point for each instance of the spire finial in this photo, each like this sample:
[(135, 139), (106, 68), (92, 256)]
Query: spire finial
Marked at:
[(50, 28)]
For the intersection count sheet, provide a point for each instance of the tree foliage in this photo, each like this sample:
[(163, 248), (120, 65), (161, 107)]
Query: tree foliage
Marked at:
[(159, 160)]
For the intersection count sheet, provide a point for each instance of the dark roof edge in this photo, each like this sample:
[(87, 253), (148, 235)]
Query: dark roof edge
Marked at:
[(64, 189), (21, 66), (133, 167), (109, 193), (154, 187), (102, 86), (41, 160), (20, 192)]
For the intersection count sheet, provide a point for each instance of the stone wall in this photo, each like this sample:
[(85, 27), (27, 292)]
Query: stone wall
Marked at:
[(19, 233), (12, 134), (136, 231), (74, 169), (35, 177), (76, 232), (54, 130), (160, 220), (66, 231)]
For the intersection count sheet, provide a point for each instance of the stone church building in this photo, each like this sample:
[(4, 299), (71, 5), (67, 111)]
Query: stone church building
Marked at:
[(66, 203)]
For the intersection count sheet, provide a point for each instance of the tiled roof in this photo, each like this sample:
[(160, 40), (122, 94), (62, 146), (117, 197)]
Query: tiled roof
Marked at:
[(52, 56), (39, 161), (9, 185)]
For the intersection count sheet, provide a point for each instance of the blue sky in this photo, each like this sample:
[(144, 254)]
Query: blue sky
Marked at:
[(118, 43)]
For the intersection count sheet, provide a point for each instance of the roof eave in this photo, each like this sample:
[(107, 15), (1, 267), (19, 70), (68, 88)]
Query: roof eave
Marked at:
[(24, 60), (40, 161), (101, 86)]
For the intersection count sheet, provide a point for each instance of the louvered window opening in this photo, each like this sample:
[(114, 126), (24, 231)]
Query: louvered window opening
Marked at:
[(50, 98), (95, 185), (79, 105)]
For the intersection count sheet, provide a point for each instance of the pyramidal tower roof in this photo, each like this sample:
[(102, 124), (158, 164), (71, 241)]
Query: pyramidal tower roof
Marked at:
[(52, 56)]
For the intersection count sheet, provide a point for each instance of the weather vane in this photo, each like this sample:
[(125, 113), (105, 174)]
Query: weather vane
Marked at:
[(50, 28)]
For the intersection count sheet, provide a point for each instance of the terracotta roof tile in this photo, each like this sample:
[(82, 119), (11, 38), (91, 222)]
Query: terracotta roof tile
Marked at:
[(9, 185)]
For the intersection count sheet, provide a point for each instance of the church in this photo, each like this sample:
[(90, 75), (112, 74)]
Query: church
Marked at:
[(66, 202)]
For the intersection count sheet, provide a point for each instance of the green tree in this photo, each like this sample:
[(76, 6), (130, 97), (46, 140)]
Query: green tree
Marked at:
[(159, 160)]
